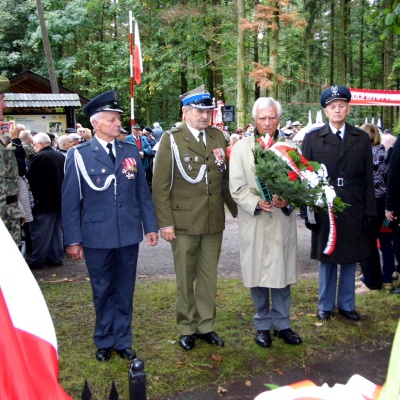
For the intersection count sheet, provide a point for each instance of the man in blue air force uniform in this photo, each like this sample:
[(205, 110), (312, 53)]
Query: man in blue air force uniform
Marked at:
[(106, 206)]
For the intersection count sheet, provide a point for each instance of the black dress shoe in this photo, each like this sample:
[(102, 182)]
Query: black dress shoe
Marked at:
[(49, 263), (31, 266), (263, 339), (395, 291), (351, 315), (324, 315), (187, 342), (103, 354), (288, 336), (127, 354), (211, 338)]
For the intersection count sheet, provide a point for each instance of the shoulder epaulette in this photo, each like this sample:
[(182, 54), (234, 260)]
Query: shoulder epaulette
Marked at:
[(214, 128), (316, 128), (173, 130), (126, 142), (80, 145)]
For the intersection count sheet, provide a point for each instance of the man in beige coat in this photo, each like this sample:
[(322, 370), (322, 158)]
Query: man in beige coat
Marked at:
[(187, 193), (267, 233)]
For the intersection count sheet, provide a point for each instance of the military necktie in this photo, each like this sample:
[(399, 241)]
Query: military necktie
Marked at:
[(110, 152), (201, 140), (338, 135)]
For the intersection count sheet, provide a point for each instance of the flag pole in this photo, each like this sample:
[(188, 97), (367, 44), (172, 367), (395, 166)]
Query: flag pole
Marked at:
[(132, 82)]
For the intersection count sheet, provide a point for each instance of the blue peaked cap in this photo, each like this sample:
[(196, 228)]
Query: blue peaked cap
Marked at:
[(198, 98)]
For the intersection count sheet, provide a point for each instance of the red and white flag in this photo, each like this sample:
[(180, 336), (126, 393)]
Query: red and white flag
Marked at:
[(137, 60), (29, 360)]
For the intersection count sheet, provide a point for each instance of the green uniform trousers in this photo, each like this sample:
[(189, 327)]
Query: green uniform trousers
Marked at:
[(196, 262)]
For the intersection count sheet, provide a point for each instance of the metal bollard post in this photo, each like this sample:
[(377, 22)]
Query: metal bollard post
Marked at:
[(137, 380)]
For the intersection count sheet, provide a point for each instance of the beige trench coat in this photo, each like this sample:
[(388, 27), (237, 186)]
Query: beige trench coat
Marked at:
[(268, 246)]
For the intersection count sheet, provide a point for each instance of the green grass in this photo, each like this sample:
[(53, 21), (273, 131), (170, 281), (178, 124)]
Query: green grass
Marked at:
[(170, 369)]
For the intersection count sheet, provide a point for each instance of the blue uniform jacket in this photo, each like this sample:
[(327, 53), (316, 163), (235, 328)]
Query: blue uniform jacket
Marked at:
[(111, 218)]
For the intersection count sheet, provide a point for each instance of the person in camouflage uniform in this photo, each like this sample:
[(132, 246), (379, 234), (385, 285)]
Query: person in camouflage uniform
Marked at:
[(10, 212)]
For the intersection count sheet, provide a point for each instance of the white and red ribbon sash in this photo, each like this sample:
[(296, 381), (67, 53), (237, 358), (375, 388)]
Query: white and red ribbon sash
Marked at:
[(281, 150)]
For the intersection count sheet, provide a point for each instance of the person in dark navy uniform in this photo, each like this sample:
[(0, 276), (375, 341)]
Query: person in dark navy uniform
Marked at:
[(346, 152), (106, 206)]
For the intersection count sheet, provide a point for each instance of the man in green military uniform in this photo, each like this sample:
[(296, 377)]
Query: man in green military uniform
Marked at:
[(10, 212), (187, 193)]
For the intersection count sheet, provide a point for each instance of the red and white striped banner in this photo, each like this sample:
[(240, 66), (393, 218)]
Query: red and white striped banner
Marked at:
[(370, 97), (29, 360)]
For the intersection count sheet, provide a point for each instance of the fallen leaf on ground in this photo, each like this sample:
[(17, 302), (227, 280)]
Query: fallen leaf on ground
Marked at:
[(221, 390), (53, 275), (278, 371), (318, 324), (248, 383), (217, 358), (271, 386)]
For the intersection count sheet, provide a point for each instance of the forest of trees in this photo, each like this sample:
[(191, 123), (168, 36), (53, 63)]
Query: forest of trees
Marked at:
[(240, 49)]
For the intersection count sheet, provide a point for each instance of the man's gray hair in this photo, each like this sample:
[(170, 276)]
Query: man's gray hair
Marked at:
[(265, 102), (63, 139), (25, 135), (234, 136), (42, 137)]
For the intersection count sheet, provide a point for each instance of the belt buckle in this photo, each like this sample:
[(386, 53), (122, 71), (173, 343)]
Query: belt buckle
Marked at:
[(340, 182)]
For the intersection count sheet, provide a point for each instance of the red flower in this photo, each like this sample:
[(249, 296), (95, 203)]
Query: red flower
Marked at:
[(293, 176), (310, 168), (303, 160)]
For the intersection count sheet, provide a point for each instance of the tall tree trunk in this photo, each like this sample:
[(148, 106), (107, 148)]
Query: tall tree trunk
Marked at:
[(342, 49), (273, 51), (256, 59), (241, 69), (361, 47), (47, 48), (387, 69), (332, 46)]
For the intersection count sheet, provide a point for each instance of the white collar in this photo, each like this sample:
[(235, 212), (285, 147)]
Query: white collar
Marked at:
[(334, 130), (104, 144), (196, 133)]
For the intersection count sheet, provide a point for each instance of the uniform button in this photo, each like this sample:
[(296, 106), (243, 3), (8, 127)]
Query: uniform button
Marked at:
[(119, 205)]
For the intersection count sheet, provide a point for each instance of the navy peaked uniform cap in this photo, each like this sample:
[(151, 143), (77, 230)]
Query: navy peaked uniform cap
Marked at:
[(107, 101), (335, 93)]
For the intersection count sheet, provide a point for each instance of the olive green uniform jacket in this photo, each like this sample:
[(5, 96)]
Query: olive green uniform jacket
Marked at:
[(193, 209)]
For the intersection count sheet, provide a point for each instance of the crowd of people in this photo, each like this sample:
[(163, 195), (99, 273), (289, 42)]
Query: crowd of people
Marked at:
[(94, 193)]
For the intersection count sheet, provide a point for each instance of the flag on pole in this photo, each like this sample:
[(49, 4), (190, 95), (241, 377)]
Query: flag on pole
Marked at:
[(29, 361), (138, 56)]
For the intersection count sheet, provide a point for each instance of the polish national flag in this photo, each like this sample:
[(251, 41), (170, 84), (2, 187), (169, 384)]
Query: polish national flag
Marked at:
[(137, 61), (29, 360)]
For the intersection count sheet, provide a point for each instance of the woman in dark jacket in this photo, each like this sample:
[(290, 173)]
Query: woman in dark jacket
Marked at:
[(371, 266)]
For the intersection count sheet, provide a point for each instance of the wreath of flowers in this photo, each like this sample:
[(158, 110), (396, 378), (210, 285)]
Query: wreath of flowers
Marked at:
[(282, 170)]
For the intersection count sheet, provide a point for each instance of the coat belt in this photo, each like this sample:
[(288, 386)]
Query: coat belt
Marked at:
[(339, 182)]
